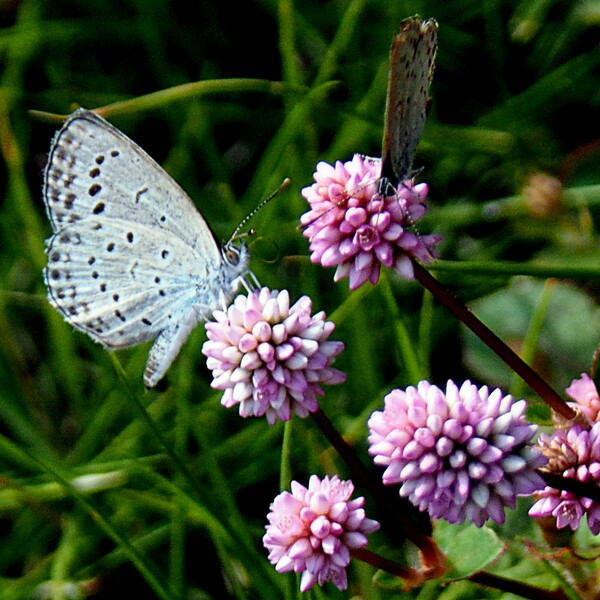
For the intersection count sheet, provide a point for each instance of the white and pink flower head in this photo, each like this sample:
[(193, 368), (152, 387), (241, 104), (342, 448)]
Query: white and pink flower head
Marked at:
[(352, 227), (574, 453), (459, 454), (269, 357), (312, 531)]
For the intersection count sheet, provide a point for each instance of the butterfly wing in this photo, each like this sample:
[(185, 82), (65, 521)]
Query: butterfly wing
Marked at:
[(123, 283), (95, 170), (130, 255), (412, 58)]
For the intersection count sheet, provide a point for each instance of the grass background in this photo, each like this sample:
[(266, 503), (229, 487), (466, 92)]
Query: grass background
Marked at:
[(178, 506)]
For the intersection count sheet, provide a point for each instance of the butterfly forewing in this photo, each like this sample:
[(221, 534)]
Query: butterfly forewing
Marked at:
[(412, 58), (95, 170)]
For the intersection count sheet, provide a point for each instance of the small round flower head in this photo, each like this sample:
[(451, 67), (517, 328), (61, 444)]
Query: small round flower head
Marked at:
[(575, 454), (311, 531), (584, 392), (462, 454), (270, 357), (352, 227)]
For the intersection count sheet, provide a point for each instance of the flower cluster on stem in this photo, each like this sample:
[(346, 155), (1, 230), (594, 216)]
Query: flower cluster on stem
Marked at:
[(352, 227), (460, 454), (270, 357), (574, 453), (312, 530)]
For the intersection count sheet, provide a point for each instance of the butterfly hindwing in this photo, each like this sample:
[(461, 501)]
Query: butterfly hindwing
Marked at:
[(127, 287)]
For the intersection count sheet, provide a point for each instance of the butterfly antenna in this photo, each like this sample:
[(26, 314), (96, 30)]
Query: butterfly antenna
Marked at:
[(236, 234)]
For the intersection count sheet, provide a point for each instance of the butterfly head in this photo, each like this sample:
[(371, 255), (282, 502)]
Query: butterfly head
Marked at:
[(236, 257), (236, 261)]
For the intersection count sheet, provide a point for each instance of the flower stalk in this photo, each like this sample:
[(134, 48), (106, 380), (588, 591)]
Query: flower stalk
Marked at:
[(511, 358), (410, 577), (518, 588), (391, 507)]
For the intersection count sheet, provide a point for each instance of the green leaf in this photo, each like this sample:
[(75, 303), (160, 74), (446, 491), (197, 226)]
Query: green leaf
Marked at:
[(468, 548)]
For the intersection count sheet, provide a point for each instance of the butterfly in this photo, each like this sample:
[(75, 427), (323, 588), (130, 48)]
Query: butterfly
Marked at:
[(131, 259), (412, 58)]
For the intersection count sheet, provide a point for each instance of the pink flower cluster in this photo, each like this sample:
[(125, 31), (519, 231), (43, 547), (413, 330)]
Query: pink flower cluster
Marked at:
[(574, 453), (350, 226), (584, 392), (270, 357), (311, 531), (462, 454)]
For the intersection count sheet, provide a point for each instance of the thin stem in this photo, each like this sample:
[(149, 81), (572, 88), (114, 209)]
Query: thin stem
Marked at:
[(516, 587), (579, 488), (164, 97), (129, 549), (409, 575), (428, 547), (414, 577), (537, 383), (178, 462)]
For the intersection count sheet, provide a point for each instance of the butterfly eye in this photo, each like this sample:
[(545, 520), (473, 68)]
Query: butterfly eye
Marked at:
[(232, 256)]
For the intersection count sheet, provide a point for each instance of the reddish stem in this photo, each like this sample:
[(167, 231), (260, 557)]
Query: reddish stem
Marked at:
[(429, 549), (407, 574), (516, 587), (415, 577), (537, 383), (579, 488)]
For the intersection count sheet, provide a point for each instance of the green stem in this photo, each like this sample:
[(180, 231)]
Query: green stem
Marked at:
[(162, 98)]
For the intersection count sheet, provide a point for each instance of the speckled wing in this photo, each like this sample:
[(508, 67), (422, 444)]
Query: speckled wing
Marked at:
[(130, 255), (95, 170), (126, 287), (412, 58)]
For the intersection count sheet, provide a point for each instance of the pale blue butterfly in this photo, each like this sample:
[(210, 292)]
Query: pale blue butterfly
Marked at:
[(131, 258)]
